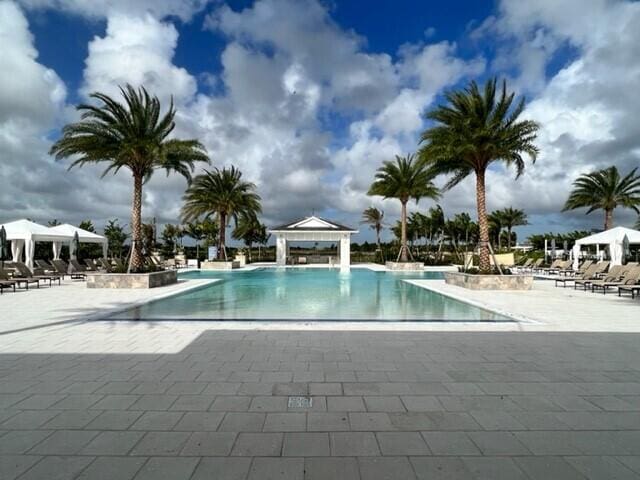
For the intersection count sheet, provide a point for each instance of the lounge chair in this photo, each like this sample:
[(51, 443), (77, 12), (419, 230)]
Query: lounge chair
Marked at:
[(44, 265), (75, 268), (4, 276), (589, 273), (26, 272), (613, 275), (63, 269), (6, 283), (105, 265), (90, 265), (631, 276), (555, 267), (581, 269), (632, 289)]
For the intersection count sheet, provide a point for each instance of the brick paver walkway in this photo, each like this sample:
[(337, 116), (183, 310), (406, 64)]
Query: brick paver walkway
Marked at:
[(385, 405)]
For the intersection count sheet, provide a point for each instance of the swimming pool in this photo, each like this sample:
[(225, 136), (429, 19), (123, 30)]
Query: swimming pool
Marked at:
[(310, 294)]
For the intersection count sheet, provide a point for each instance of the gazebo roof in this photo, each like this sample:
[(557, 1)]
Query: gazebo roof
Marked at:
[(313, 224), (610, 236), (25, 229), (84, 236)]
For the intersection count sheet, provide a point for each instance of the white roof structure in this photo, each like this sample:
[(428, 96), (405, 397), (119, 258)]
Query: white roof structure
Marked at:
[(616, 239), (24, 234), (85, 236), (610, 236), (28, 230)]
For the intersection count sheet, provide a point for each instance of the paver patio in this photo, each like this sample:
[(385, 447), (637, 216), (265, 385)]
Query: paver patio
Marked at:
[(386, 405)]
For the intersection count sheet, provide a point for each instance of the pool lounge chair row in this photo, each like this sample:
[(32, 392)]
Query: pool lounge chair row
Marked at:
[(600, 277), (22, 276)]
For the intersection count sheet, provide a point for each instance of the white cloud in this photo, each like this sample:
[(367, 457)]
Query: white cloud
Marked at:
[(184, 9), (137, 50)]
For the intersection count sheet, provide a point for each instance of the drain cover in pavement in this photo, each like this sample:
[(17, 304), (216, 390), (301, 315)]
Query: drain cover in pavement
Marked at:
[(300, 402)]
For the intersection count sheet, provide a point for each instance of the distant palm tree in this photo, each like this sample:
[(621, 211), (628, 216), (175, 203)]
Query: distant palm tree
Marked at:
[(605, 190), (475, 129), (249, 230), (512, 217), (374, 218), (132, 135), (195, 231), (223, 194), (496, 223), (404, 179)]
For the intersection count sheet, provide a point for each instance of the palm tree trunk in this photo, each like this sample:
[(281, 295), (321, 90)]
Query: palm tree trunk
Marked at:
[(249, 252), (509, 238), (137, 261), (608, 219), (222, 237), (483, 224), (499, 237), (403, 233)]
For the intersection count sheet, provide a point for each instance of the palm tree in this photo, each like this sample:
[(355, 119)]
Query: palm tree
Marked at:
[(194, 230), (477, 128), (404, 179), (223, 194), (637, 225), (496, 223), (374, 218), (512, 217), (249, 230), (133, 135), (605, 190)]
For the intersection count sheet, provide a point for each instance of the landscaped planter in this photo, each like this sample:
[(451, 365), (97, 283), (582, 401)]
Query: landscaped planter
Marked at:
[(489, 282), (132, 280), (404, 266), (219, 265)]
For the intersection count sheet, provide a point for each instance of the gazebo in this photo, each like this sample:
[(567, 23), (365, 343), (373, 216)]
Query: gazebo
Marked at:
[(24, 234), (614, 239), (313, 229), (84, 236)]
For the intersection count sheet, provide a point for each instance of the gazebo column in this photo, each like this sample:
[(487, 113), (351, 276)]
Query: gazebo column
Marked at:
[(345, 251), (281, 250)]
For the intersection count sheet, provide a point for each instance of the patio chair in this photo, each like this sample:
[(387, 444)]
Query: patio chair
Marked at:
[(75, 268), (589, 273), (631, 276), (106, 266), (6, 283), (612, 275), (44, 265), (28, 273), (526, 264), (90, 265), (581, 268), (634, 290), (4, 276), (63, 269)]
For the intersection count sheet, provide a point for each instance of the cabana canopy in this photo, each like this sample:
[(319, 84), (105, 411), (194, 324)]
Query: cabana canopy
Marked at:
[(84, 236), (24, 234), (613, 238)]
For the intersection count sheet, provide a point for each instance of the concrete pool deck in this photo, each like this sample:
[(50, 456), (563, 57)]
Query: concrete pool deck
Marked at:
[(87, 399)]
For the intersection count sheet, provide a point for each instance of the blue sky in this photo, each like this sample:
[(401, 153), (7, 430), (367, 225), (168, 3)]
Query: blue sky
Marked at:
[(308, 97)]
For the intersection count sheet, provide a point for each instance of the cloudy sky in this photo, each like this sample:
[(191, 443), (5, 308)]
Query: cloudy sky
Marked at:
[(308, 97)]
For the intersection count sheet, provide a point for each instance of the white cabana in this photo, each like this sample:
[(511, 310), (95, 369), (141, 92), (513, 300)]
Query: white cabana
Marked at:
[(24, 234), (614, 239), (314, 229), (84, 236)]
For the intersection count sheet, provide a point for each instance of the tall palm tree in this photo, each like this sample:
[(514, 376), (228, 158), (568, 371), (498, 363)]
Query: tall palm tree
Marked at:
[(132, 135), (223, 194), (374, 218), (473, 130), (249, 230), (605, 190), (512, 217), (404, 179)]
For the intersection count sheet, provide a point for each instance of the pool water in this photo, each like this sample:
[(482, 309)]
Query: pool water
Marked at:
[(310, 294)]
